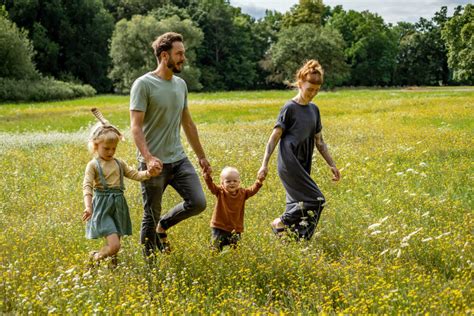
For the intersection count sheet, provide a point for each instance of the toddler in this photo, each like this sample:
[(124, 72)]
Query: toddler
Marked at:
[(227, 221), (106, 210)]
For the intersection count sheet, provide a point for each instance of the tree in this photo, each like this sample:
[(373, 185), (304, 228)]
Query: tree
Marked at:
[(421, 58), (70, 37), (297, 44), (125, 9), (458, 34), (328, 13), (16, 51), (265, 33), (168, 11), (132, 55), (306, 12), (371, 46), (227, 56)]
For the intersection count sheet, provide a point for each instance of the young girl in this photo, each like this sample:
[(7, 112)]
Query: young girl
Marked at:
[(106, 210)]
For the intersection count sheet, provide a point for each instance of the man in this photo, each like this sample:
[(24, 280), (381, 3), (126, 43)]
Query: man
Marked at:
[(158, 108)]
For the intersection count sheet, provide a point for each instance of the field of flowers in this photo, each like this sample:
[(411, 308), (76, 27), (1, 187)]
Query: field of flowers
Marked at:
[(396, 235)]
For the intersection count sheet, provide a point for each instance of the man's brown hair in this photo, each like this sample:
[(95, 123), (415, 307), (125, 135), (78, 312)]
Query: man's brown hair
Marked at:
[(164, 43)]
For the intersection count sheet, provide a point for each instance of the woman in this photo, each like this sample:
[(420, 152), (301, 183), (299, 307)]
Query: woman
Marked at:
[(299, 128)]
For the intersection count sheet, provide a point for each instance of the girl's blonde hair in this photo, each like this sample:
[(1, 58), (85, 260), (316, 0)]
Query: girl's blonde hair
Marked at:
[(102, 133), (311, 71)]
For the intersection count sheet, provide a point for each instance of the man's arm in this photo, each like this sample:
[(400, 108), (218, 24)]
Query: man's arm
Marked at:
[(191, 132), (323, 150), (136, 119)]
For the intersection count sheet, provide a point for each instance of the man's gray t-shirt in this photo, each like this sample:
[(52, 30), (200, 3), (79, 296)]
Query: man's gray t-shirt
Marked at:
[(163, 102)]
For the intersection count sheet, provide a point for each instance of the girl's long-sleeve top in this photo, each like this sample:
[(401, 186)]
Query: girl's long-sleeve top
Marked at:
[(111, 174), (228, 213)]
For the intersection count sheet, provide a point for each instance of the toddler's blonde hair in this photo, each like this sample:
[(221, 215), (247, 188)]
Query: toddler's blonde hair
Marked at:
[(227, 170), (102, 133)]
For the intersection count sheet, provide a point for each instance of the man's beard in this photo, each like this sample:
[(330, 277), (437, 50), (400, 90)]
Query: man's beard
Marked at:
[(172, 65)]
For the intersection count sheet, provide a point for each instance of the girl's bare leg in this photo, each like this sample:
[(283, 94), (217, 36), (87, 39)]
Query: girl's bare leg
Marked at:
[(111, 248)]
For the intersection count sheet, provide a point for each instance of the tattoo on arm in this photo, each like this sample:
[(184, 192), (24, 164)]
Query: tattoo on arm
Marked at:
[(323, 149), (320, 144)]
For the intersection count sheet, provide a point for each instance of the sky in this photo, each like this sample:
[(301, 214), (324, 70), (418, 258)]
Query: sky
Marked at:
[(392, 11)]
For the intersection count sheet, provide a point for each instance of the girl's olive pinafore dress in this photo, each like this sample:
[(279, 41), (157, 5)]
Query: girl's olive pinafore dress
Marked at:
[(110, 213)]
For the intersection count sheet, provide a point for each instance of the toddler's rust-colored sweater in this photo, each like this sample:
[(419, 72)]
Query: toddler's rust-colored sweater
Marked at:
[(228, 214)]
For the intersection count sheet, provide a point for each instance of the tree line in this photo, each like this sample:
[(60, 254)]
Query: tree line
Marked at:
[(106, 44)]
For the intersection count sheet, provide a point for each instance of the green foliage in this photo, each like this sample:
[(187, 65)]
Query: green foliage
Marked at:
[(125, 9), (41, 89), (47, 50), (371, 47), (421, 58), (305, 12), (458, 33), (16, 51), (228, 56), (303, 42), (265, 32), (73, 41), (132, 55), (70, 37), (329, 12), (169, 10)]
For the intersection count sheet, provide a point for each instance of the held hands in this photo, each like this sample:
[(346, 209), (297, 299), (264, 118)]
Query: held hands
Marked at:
[(205, 166), (154, 166), (87, 214), (207, 175), (262, 173), (153, 172)]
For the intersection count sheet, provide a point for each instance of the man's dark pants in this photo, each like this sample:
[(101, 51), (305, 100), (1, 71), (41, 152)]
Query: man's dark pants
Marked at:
[(182, 176)]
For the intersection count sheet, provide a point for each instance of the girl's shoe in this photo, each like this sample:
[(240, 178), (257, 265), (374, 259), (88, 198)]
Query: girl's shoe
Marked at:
[(113, 262), (93, 261)]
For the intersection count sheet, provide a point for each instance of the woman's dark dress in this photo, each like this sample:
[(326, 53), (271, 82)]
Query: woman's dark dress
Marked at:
[(304, 200)]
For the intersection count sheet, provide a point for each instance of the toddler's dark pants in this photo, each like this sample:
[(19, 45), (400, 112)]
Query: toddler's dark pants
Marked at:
[(221, 238)]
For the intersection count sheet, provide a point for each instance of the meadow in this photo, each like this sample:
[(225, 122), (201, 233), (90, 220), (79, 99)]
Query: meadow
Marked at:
[(396, 235)]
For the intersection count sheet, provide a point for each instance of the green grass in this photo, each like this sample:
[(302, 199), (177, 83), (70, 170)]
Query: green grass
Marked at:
[(395, 236)]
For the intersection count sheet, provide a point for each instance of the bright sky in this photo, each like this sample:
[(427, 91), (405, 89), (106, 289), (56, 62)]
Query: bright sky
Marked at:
[(392, 11)]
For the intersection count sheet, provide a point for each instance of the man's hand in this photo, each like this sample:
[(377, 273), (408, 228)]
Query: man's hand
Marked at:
[(205, 166), (336, 174), (87, 214), (154, 163), (207, 175)]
